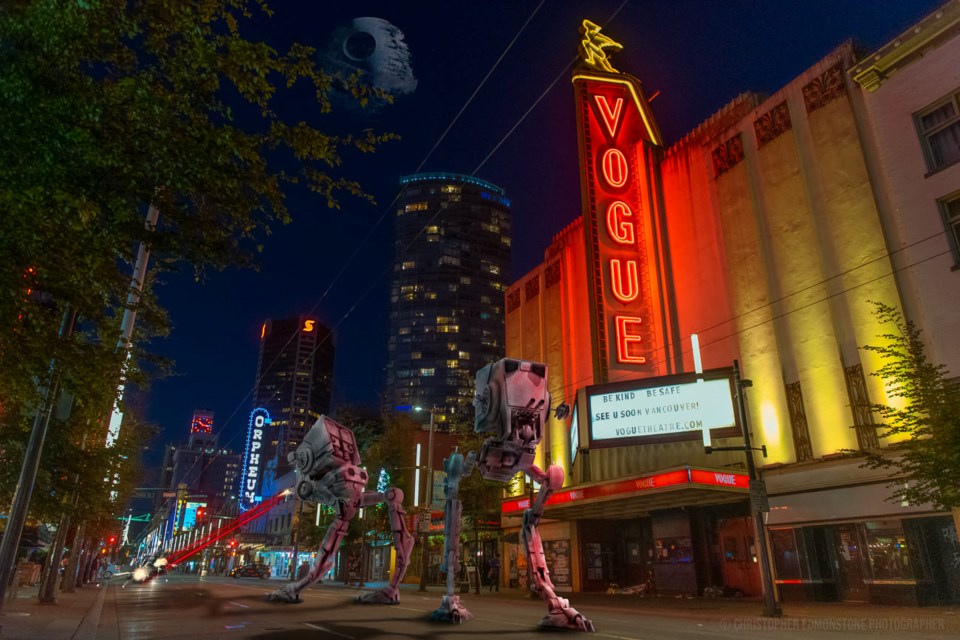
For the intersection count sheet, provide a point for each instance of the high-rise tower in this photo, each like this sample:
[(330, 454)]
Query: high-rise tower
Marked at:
[(294, 378), (451, 267)]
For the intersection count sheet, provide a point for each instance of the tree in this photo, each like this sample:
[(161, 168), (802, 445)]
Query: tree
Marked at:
[(121, 104), (926, 415)]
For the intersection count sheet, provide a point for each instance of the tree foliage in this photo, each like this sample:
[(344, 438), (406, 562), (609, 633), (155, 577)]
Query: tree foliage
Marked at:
[(113, 105), (928, 419)]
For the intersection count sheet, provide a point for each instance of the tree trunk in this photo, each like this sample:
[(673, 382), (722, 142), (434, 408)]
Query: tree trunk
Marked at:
[(48, 587), (69, 582)]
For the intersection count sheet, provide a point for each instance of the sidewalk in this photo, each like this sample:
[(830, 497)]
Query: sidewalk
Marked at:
[(74, 617), (701, 608)]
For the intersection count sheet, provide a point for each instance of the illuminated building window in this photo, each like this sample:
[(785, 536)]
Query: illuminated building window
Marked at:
[(939, 129), (403, 330), (464, 355), (452, 346), (450, 260), (465, 280), (444, 320), (430, 295), (448, 328), (453, 364), (950, 209), (416, 206), (408, 297), (492, 228), (450, 188), (432, 229), (505, 240), (426, 372), (798, 422), (499, 286), (409, 264)]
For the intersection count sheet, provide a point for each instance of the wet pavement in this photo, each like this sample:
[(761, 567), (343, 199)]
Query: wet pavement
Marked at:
[(186, 606)]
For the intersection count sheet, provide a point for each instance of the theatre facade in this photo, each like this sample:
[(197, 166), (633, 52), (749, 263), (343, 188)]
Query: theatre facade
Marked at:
[(760, 240)]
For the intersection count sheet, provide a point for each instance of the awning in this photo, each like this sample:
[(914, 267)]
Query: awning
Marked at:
[(638, 496)]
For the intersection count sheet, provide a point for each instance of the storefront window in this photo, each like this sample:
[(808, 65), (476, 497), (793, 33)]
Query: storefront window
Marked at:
[(674, 550), (888, 551), (785, 556)]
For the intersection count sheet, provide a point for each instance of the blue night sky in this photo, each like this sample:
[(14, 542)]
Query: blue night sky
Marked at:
[(698, 54)]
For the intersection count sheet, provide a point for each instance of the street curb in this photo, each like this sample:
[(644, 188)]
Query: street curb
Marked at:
[(87, 629)]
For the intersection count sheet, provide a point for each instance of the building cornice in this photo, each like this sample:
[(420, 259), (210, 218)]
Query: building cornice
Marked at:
[(870, 72)]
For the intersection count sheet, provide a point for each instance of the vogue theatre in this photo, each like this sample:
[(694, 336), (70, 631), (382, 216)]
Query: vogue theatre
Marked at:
[(761, 234)]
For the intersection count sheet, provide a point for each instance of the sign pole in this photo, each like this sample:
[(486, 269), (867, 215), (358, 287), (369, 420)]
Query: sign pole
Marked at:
[(771, 607)]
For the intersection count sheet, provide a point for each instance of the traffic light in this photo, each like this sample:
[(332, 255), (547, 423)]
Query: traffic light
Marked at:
[(200, 513), (113, 539)]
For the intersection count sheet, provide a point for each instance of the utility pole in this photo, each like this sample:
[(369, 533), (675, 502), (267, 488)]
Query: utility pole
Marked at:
[(758, 497), (425, 535)]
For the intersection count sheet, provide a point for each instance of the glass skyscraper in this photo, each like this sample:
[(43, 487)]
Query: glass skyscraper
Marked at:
[(294, 378), (451, 267)]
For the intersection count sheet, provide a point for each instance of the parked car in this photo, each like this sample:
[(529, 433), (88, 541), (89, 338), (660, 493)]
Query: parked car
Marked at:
[(251, 571)]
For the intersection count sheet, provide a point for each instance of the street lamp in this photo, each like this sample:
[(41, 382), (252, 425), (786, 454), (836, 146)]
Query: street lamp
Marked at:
[(758, 496), (424, 541)]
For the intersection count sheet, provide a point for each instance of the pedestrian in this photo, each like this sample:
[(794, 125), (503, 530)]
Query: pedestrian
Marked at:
[(494, 573)]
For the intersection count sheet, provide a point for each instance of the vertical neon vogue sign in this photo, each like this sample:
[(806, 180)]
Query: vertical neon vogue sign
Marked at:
[(253, 458), (614, 124)]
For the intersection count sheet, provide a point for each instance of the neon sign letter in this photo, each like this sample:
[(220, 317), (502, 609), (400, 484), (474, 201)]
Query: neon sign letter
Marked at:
[(611, 116), (616, 281), (628, 336), (619, 229), (615, 169), (308, 325)]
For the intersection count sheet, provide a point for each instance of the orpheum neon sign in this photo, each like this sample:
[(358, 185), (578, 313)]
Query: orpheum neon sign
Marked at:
[(616, 133), (677, 478), (251, 479)]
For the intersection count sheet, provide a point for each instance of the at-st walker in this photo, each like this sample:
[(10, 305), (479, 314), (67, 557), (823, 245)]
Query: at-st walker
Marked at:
[(512, 403), (328, 472)]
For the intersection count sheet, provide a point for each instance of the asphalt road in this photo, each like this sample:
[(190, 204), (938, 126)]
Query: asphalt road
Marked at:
[(185, 606)]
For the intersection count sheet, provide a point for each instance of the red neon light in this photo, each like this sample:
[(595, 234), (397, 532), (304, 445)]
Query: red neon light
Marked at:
[(619, 229), (224, 531), (651, 482), (615, 167), (616, 281), (611, 116), (792, 581), (720, 478), (628, 340)]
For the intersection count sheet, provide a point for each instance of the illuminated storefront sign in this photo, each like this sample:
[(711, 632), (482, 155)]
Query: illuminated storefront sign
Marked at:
[(677, 478), (617, 135), (668, 408), (251, 478)]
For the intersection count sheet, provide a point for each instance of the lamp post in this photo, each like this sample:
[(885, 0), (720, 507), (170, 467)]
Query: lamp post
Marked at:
[(758, 496), (424, 541)]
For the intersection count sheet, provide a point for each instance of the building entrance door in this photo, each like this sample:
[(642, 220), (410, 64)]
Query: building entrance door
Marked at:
[(849, 564), (741, 569)]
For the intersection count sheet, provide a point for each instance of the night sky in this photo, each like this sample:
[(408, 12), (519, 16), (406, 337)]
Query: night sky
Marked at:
[(698, 54)]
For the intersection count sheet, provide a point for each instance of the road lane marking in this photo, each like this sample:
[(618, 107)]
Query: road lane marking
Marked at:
[(325, 630)]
